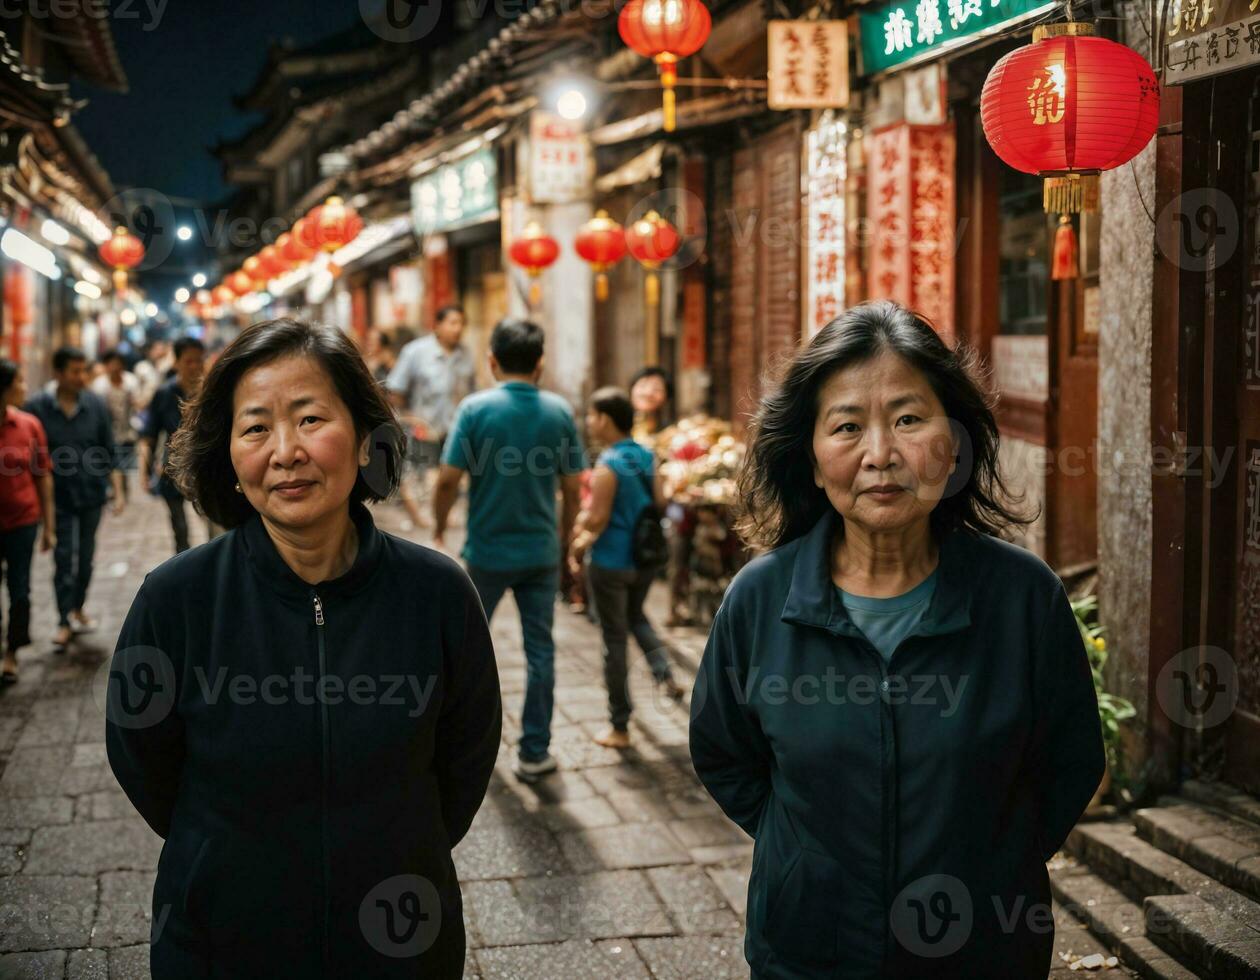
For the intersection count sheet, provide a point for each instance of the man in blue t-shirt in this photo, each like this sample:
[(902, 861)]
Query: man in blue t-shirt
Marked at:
[(518, 445)]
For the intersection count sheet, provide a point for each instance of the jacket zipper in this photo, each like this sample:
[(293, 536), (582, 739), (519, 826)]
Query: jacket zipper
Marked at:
[(324, 753)]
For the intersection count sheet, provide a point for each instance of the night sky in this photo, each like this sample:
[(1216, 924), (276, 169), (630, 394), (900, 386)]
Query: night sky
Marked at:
[(184, 70)]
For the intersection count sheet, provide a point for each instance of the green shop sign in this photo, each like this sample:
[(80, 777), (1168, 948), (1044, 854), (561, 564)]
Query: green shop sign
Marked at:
[(457, 194), (897, 34)]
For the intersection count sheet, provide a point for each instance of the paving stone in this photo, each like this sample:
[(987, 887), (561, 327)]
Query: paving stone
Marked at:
[(575, 958), (695, 957), (508, 851), (602, 905), (35, 771), (15, 836), (732, 881), (694, 901), (35, 811), (39, 912), (109, 804), (556, 787), (125, 909), (639, 806), (635, 845), (579, 814), (90, 848), (693, 803), (721, 853), (33, 966), (52, 721), (88, 964), (707, 832), (129, 963), (10, 859), (501, 919)]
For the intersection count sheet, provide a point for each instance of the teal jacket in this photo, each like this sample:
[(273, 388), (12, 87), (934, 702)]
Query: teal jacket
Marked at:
[(902, 812)]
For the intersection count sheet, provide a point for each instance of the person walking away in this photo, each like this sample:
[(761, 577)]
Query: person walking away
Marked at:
[(151, 370), (432, 375), (383, 358), (623, 486), (84, 464), (517, 444), (26, 505), (120, 390), (164, 419)]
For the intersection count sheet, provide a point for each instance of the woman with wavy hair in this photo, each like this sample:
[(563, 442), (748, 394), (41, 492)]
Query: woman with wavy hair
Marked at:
[(894, 702), (306, 709)]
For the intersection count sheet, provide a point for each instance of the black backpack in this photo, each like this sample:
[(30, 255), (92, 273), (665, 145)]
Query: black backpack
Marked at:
[(650, 549)]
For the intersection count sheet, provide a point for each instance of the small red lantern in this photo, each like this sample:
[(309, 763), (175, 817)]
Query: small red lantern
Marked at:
[(602, 243), (272, 262), (652, 240), (223, 295), (253, 267), (665, 31), (292, 248), (331, 226), (124, 252), (240, 283), (534, 251)]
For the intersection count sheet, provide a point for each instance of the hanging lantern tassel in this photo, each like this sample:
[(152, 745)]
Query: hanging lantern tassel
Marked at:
[(1064, 264), (668, 66), (653, 289), (535, 289)]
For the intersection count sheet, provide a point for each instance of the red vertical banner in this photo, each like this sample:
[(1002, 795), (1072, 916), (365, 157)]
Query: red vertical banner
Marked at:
[(910, 207)]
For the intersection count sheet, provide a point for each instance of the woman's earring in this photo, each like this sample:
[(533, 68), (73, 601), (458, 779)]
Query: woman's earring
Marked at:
[(238, 489)]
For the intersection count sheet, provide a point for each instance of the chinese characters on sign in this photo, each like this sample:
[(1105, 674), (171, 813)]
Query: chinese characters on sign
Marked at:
[(1218, 49), (809, 64), (826, 155), (910, 207), (457, 194), (560, 163), (900, 32)]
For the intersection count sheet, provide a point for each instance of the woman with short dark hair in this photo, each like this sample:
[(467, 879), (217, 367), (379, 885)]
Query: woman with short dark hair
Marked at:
[(894, 702), (305, 708)]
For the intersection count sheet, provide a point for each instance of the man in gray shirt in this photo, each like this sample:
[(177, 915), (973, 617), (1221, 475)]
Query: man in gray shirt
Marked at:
[(432, 375)]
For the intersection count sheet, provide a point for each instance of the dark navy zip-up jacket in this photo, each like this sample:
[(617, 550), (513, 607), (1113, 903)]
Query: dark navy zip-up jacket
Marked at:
[(903, 812), (311, 755)]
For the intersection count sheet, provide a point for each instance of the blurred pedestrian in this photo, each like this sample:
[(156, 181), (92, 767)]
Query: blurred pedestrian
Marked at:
[(624, 488), (872, 475), (151, 369), (311, 790), (383, 358), (519, 445), (431, 376), (650, 393), (164, 418), (84, 464), (120, 390), (26, 506)]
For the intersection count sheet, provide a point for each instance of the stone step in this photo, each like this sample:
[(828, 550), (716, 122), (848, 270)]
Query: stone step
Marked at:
[(1194, 930), (1219, 845), (1116, 922), (1225, 798), (1138, 870)]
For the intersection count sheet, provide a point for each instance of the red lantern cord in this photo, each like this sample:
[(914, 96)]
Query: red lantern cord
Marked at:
[(665, 31), (602, 243), (124, 251)]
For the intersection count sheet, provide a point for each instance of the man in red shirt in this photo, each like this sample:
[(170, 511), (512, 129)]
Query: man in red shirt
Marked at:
[(26, 499)]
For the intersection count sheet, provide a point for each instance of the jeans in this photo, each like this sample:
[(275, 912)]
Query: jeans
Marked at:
[(16, 550), (535, 592), (72, 558), (618, 596)]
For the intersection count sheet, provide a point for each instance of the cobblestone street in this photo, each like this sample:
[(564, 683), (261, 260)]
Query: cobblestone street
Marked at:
[(618, 866)]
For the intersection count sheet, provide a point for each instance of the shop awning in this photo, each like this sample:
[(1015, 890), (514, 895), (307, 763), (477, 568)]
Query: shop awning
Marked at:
[(643, 167)]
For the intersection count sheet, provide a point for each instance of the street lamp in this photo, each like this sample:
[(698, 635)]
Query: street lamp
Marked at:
[(182, 295), (184, 233), (571, 105), (199, 280), (151, 310)]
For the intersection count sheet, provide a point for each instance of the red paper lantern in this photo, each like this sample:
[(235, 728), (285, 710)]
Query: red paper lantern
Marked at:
[(240, 283), (1068, 107), (534, 251), (253, 268), (292, 249), (665, 31), (652, 240), (223, 295), (331, 226), (272, 262), (602, 243), (124, 252)]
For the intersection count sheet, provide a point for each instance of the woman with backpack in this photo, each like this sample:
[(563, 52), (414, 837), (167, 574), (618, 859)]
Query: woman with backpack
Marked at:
[(620, 529)]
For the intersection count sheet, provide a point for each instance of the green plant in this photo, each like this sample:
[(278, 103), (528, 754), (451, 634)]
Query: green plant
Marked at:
[(1112, 709)]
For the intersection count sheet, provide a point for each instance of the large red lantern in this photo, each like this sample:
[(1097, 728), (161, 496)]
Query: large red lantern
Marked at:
[(240, 283), (1068, 107), (534, 251), (124, 251), (665, 31), (602, 243), (331, 226), (292, 249)]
